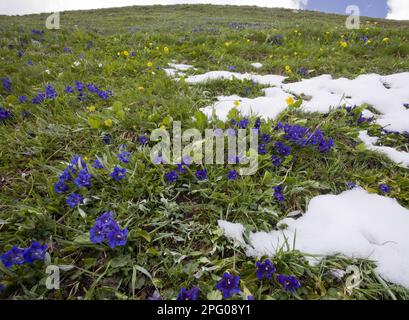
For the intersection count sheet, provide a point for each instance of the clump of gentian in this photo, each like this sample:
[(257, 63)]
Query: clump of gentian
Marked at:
[(83, 179), (201, 174), (20, 256), (5, 114), (107, 229), (97, 164), (289, 283), (243, 123), (36, 252), (232, 175), (351, 184), (192, 294), (275, 160), (171, 176), (74, 199), (265, 269), (262, 148), (124, 156), (22, 99), (143, 139), (384, 188), (278, 193), (118, 173), (7, 84), (282, 149), (229, 285)]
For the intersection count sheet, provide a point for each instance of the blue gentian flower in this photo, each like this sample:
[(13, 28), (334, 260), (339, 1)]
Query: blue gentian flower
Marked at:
[(7, 84), (265, 138), (39, 98), (232, 175), (97, 233), (325, 145), (303, 71), (228, 285), (143, 139), (289, 283), (69, 89), (351, 184), (83, 179), (36, 252), (257, 124), (60, 187), (265, 269), (201, 174), (118, 173), (20, 53), (106, 228), (97, 164), (124, 156), (192, 294), (66, 175), (233, 122), (172, 176), (275, 160), (384, 188), (117, 237), (262, 148), (15, 256), (4, 114), (29, 62), (278, 193), (243, 123), (67, 50), (106, 139), (282, 149), (250, 297), (232, 68), (50, 92), (74, 199), (278, 40), (22, 99)]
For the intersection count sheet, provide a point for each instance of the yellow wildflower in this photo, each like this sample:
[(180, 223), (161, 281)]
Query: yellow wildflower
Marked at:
[(108, 122), (141, 88), (343, 44), (149, 64), (125, 53), (166, 49), (236, 103), (289, 101), (385, 39), (91, 108)]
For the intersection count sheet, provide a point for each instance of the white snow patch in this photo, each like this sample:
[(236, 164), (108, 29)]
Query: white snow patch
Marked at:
[(233, 231), (396, 156), (176, 68), (257, 65), (354, 223), (387, 94)]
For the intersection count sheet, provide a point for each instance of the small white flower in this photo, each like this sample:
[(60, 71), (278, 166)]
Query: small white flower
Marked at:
[(47, 71), (76, 63), (100, 65)]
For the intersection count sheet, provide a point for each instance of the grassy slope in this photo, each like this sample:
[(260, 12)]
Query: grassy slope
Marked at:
[(173, 228)]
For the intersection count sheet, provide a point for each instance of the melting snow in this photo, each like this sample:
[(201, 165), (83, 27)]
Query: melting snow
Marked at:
[(256, 65), (387, 94), (354, 223), (399, 157)]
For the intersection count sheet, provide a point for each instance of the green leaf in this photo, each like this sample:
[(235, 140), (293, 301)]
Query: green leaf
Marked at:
[(214, 295), (201, 120), (95, 123), (117, 106)]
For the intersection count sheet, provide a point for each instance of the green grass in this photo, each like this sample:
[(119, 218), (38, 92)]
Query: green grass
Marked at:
[(173, 228)]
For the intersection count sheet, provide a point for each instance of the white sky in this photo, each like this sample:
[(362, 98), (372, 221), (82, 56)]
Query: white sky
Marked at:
[(398, 9), (11, 7)]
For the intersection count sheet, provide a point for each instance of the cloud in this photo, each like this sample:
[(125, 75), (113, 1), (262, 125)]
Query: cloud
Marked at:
[(35, 6), (398, 9)]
